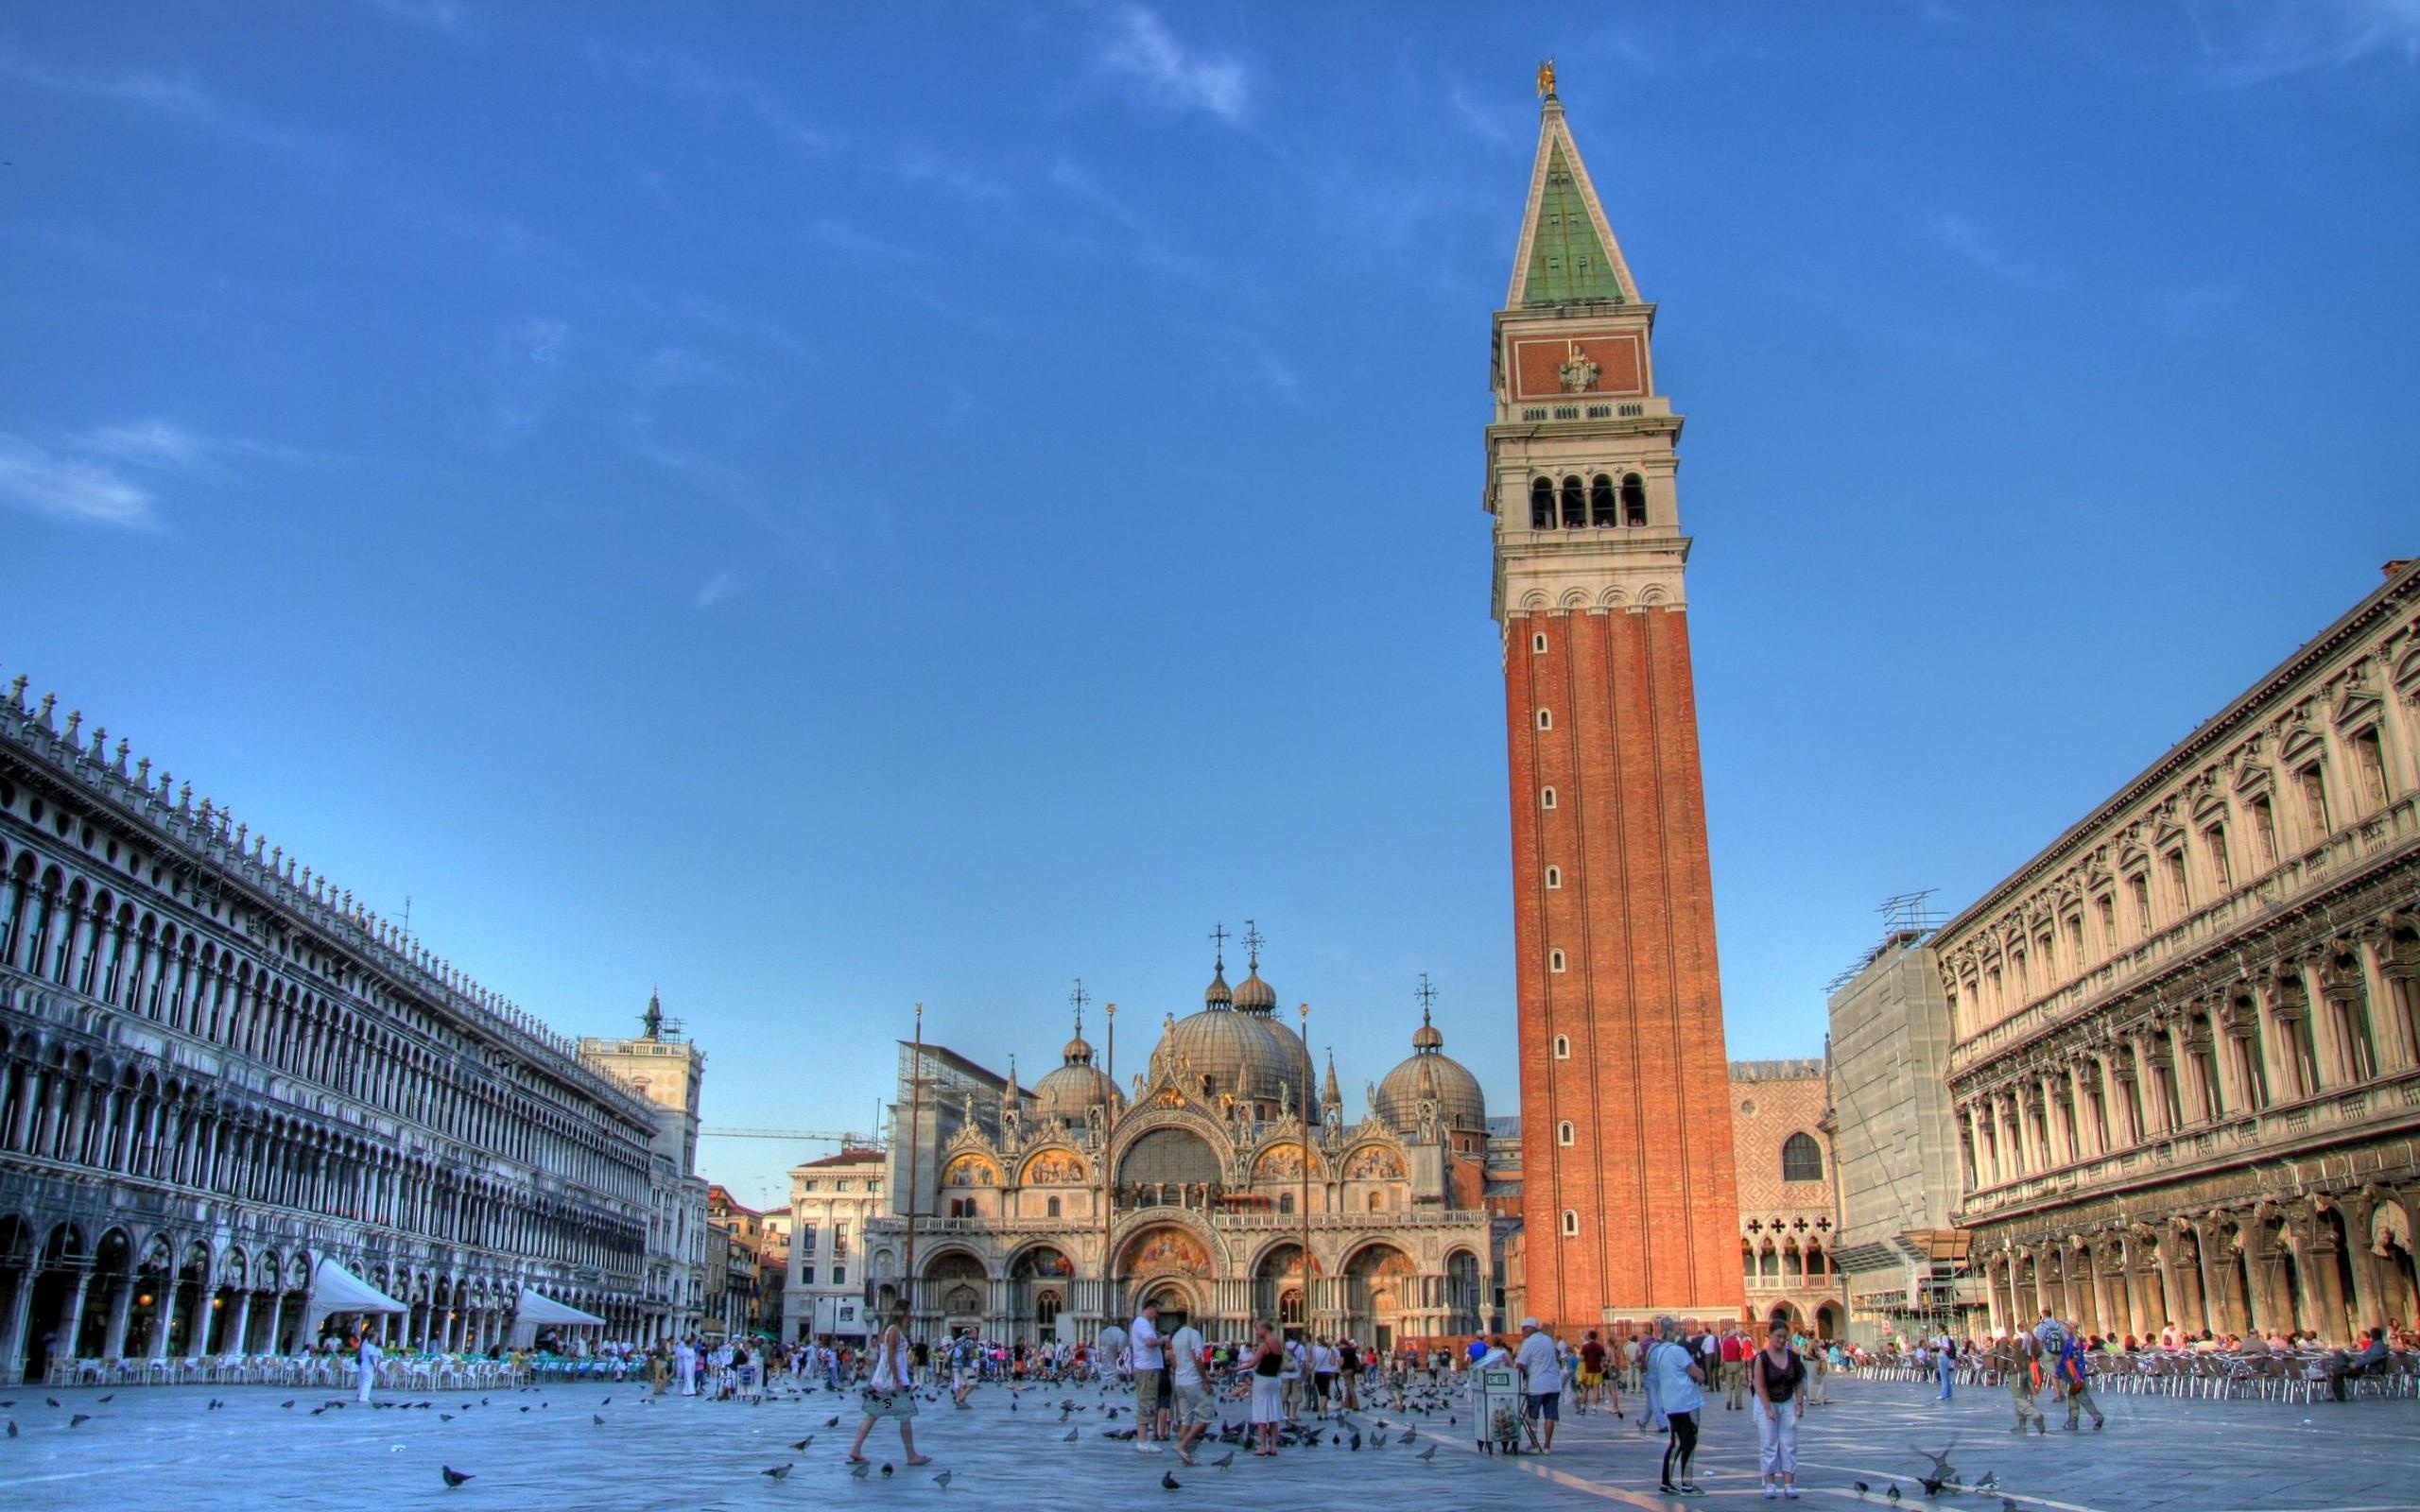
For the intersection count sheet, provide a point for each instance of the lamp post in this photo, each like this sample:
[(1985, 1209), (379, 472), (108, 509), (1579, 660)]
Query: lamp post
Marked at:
[(915, 1118), (1108, 1170), (1304, 1202)]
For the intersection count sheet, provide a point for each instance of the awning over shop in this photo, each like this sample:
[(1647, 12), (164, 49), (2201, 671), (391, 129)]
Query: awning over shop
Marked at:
[(543, 1311), (334, 1289)]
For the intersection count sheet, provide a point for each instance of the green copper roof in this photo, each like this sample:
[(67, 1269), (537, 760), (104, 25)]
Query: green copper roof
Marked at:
[(1567, 262)]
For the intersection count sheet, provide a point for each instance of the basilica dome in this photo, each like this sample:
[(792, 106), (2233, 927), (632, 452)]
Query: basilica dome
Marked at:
[(1431, 1076), (1226, 1050), (1077, 1085)]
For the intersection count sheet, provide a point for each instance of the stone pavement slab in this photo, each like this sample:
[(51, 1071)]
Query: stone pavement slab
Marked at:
[(163, 1447)]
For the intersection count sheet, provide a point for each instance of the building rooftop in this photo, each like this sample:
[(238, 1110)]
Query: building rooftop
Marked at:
[(855, 1155), (1798, 1069)]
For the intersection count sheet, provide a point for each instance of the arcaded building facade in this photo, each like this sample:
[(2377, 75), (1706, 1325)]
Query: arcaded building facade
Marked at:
[(1627, 1174), (1043, 1212), (222, 1074), (1780, 1136), (2185, 1067)]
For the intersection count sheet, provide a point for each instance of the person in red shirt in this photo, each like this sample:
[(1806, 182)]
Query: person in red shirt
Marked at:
[(1597, 1386), (1735, 1349)]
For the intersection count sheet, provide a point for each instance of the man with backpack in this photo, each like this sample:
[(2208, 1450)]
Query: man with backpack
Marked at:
[(2075, 1380), (2016, 1358)]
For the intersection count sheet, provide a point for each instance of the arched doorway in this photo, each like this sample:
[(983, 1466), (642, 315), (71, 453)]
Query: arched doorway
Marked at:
[(1039, 1279), (1464, 1293), (1160, 1261), (1277, 1288), (1378, 1292), (1176, 1305), (1827, 1321), (957, 1286)]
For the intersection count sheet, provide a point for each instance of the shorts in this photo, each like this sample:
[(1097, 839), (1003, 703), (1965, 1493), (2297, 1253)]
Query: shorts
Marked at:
[(1193, 1404), (1146, 1389), (1323, 1385), (1543, 1406), (1592, 1378), (1267, 1399)]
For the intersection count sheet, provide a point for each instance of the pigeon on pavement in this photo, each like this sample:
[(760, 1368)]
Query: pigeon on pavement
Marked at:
[(861, 1469), (453, 1476), (1426, 1455), (804, 1442), (778, 1471), (943, 1480), (1169, 1481)]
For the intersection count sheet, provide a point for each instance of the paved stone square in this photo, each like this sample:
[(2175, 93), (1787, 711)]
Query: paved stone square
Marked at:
[(165, 1447)]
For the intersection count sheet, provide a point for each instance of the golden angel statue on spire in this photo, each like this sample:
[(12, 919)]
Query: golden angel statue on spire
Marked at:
[(1546, 79)]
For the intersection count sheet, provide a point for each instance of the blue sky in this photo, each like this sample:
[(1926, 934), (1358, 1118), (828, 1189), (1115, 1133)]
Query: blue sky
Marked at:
[(827, 507)]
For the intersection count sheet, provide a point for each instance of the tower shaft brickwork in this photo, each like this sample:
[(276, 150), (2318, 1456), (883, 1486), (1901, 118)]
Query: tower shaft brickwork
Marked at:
[(1630, 1196)]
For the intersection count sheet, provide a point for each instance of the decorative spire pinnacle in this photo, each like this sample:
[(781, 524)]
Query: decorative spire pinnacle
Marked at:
[(1219, 943), (1425, 1039), (1253, 943), (1566, 254), (652, 1020), (1330, 1094)]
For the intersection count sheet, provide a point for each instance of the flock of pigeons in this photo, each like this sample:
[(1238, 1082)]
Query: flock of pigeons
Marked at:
[(1340, 1432), (1943, 1478)]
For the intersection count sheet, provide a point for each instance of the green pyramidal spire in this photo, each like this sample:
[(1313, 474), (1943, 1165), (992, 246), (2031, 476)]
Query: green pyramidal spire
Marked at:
[(1567, 261), (1568, 254)]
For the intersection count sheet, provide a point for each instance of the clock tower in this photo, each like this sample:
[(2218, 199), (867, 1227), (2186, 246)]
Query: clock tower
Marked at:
[(1628, 1197)]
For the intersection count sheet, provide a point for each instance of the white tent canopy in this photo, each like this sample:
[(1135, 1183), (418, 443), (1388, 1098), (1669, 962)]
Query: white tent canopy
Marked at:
[(334, 1289), (545, 1312)]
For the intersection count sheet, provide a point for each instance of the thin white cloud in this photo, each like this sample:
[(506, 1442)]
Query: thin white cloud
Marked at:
[(36, 478), (685, 76), (1139, 44), (136, 89), (165, 444), (1968, 240), (2242, 46), (448, 18), (523, 375), (718, 588), (1480, 123)]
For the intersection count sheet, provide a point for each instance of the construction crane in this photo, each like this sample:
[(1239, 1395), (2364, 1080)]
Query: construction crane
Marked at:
[(846, 1139)]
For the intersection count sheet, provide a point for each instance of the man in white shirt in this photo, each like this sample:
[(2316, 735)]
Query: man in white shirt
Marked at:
[(1190, 1389), (1108, 1352), (1148, 1373), (366, 1358), (1541, 1382)]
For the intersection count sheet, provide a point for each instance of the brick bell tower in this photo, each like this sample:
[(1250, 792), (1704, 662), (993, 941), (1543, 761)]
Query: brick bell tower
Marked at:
[(1629, 1197)]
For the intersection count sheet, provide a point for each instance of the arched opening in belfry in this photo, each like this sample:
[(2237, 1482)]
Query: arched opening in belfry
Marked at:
[(1541, 505), (1633, 499), (1574, 505), (1601, 501)]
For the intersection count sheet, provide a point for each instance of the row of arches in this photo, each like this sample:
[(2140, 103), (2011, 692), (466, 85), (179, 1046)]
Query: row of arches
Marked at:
[(1599, 503), (79, 935), (2332, 1268), (1376, 1292), (106, 1117), (136, 1294)]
